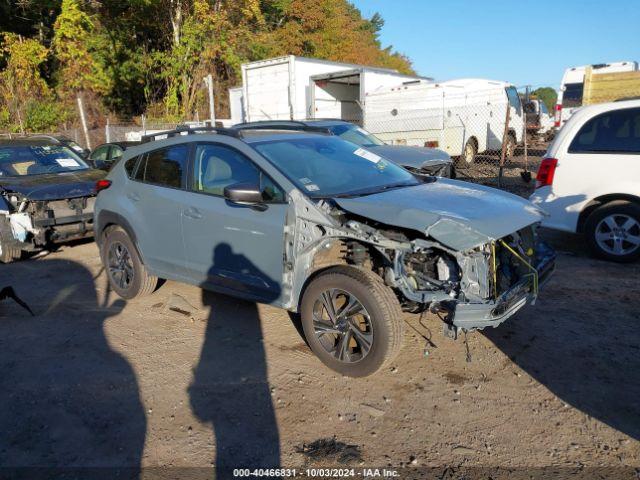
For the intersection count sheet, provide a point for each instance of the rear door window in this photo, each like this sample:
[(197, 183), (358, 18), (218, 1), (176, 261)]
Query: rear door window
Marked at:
[(166, 167), (615, 132)]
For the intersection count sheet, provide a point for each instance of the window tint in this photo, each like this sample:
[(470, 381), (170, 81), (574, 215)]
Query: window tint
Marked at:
[(166, 167), (617, 131), (130, 166), (572, 95), (217, 167)]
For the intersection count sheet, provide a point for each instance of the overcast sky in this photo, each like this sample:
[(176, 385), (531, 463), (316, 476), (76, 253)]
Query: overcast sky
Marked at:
[(526, 43)]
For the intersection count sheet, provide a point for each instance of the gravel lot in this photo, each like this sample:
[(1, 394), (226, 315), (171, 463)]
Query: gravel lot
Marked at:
[(185, 378)]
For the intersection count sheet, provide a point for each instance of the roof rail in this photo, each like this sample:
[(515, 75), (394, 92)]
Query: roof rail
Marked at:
[(180, 130)]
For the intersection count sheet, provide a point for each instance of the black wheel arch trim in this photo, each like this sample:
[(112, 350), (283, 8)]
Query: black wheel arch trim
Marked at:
[(107, 218), (598, 202)]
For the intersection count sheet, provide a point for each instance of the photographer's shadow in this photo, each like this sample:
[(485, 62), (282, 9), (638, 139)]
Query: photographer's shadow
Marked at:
[(68, 399), (230, 387)]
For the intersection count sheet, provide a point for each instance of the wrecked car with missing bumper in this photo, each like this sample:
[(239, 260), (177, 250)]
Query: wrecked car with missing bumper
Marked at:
[(46, 196), (322, 227)]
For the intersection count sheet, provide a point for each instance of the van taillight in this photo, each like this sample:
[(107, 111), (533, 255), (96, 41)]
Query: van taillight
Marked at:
[(546, 171), (558, 116), (102, 185)]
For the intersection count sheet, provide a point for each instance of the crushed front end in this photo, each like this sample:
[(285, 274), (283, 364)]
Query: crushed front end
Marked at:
[(28, 224), (478, 288)]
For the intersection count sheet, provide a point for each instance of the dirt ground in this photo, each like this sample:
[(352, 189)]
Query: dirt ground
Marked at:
[(187, 379)]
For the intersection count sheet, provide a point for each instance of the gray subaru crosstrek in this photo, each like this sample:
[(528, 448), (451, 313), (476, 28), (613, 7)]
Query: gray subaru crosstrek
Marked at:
[(320, 226)]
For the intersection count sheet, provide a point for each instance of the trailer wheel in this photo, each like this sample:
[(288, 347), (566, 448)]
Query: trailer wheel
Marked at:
[(470, 151)]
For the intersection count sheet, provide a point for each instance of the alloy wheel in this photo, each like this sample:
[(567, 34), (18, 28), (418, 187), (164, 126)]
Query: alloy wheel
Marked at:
[(120, 265), (618, 234), (342, 325)]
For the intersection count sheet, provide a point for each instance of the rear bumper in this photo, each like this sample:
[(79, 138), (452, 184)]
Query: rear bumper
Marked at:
[(476, 316)]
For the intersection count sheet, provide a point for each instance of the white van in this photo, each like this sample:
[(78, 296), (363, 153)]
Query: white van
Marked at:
[(572, 86), (462, 117)]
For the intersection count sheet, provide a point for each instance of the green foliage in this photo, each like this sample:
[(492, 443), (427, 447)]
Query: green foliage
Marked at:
[(548, 95), (44, 116), (150, 56)]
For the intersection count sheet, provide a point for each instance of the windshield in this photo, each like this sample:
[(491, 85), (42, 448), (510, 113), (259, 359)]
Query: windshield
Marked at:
[(355, 134), (22, 160), (329, 167)]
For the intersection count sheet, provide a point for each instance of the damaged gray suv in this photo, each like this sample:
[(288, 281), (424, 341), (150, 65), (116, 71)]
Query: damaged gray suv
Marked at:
[(319, 226)]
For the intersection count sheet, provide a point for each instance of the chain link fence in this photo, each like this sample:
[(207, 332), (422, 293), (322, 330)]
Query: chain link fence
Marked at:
[(481, 124)]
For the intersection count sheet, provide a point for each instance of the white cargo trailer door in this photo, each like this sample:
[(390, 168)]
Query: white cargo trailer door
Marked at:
[(267, 92)]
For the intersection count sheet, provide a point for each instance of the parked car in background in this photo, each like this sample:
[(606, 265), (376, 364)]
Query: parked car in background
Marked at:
[(106, 155), (66, 141), (418, 160), (572, 86), (314, 224), (46, 195), (590, 181)]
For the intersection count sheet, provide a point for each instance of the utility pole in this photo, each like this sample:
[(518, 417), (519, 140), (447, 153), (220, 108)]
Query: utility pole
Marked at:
[(208, 80), (83, 120)]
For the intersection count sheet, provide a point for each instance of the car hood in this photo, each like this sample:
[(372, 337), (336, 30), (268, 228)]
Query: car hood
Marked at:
[(457, 214), (414, 157), (54, 186)]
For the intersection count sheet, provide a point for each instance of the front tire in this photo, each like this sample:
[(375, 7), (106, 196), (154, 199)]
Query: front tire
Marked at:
[(510, 148), (470, 151), (128, 276), (352, 321), (613, 231)]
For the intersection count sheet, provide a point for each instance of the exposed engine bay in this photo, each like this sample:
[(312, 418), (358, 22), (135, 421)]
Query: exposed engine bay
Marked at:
[(475, 287), (31, 224)]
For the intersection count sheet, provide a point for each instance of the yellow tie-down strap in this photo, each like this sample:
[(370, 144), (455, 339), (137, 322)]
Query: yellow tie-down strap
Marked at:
[(534, 272)]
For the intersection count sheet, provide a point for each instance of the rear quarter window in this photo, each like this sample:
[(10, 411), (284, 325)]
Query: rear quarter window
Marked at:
[(130, 166), (610, 132), (165, 167)]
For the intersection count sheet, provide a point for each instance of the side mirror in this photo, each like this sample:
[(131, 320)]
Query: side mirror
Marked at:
[(243, 194)]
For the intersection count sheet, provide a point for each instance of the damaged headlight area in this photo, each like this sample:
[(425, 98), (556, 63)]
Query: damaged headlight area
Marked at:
[(29, 225), (476, 288)]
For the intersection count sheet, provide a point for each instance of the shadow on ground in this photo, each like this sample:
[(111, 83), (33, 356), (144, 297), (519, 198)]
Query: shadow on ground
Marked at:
[(590, 361), (67, 398)]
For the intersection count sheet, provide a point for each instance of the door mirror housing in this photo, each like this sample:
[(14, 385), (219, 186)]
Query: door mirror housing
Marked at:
[(243, 194)]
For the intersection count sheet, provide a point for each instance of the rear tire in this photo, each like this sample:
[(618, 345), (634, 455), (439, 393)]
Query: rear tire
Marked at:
[(127, 275), (612, 231), (358, 340)]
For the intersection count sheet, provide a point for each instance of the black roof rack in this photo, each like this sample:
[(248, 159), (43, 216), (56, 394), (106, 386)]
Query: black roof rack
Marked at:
[(281, 125), (190, 130)]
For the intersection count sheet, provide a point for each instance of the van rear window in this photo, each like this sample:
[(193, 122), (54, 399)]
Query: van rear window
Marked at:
[(572, 95)]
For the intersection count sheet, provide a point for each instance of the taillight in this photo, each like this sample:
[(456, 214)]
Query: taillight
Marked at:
[(546, 172), (102, 185), (558, 116)]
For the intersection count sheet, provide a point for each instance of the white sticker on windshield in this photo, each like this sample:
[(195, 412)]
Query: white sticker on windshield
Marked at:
[(67, 162), (305, 180), (312, 187), (366, 154)]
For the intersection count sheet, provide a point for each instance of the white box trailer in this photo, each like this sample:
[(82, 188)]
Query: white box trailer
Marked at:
[(454, 115), (343, 94), (294, 88)]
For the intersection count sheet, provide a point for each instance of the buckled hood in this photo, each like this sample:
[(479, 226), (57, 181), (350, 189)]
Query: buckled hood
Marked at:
[(414, 157), (457, 214)]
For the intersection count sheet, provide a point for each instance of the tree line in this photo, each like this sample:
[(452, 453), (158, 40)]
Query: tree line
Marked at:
[(126, 58)]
